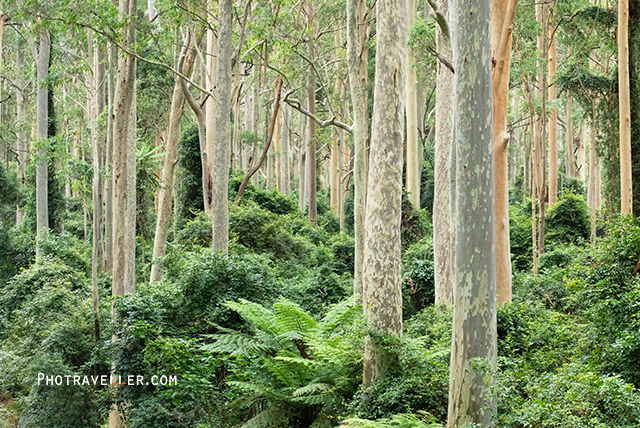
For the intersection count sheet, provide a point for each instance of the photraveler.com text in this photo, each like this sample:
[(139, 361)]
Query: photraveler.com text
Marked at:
[(104, 380)]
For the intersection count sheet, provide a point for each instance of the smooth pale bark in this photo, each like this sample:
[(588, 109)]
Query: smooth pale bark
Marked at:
[(95, 104), (302, 150), (285, 143), (222, 149), (593, 170), (472, 397), (41, 55), (626, 191), (334, 166), (124, 174), (571, 163), (502, 16), (312, 211), (542, 16), (276, 151), (108, 192), (382, 285), (356, 61), (411, 92), (442, 213), (171, 158), (21, 124), (255, 112), (207, 152), (553, 141)]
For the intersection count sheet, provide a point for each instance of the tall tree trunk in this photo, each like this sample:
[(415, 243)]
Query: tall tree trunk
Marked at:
[(275, 158), (285, 143), (211, 78), (355, 60), (108, 206), (221, 153), (311, 126), (626, 192), (413, 155), (302, 150), (335, 159), (21, 128), (542, 16), (582, 153), (571, 163), (124, 173), (502, 16), (41, 55), (442, 212), (472, 397), (593, 170), (255, 111), (185, 64), (553, 141), (382, 291)]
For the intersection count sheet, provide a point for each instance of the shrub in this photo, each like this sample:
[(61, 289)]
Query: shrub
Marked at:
[(568, 221), (418, 284)]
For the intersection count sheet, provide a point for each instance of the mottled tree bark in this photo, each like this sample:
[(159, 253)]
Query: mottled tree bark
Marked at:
[(21, 124), (571, 163), (208, 151), (171, 158), (221, 153), (41, 55), (285, 143), (593, 169), (442, 226), (382, 291), (312, 210), (473, 346), (108, 192), (354, 65)]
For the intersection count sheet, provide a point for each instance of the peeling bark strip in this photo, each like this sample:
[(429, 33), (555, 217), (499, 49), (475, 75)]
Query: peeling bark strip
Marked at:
[(382, 293), (473, 344)]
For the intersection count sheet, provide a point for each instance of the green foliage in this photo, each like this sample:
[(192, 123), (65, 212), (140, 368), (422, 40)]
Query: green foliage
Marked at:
[(418, 284), (299, 369), (567, 221), (520, 236), (401, 421), (188, 181)]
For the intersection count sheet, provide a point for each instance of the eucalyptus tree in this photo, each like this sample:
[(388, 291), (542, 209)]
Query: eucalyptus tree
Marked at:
[(474, 331), (626, 187), (382, 285)]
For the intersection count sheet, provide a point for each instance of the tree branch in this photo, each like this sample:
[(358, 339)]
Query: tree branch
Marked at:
[(322, 123)]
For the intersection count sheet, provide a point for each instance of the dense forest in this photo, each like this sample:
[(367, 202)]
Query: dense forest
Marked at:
[(318, 213)]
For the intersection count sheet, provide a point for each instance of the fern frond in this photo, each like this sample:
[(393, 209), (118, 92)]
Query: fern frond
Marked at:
[(282, 372), (240, 344), (270, 393), (291, 317), (298, 360), (271, 417), (343, 312), (404, 420), (256, 314), (311, 388)]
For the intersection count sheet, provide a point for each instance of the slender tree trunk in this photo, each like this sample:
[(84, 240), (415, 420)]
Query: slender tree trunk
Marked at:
[(311, 126), (382, 291), (275, 152), (108, 247), (582, 153), (553, 141), (502, 16), (472, 398), (413, 156), (171, 158), (124, 174), (442, 212), (571, 170), (356, 60), (255, 111), (542, 16), (302, 150), (221, 153), (626, 193), (21, 134), (41, 55), (593, 170), (335, 160), (285, 143), (208, 151)]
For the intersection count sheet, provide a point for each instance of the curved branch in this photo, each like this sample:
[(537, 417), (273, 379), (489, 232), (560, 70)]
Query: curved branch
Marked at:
[(322, 123)]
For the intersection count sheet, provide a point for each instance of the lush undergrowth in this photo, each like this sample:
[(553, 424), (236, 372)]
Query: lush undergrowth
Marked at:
[(270, 334)]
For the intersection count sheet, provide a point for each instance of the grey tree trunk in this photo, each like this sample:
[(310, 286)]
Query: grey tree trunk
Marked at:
[(170, 160), (285, 142), (442, 214), (255, 112), (571, 170), (354, 63), (473, 344), (21, 128), (382, 285), (311, 126), (108, 206), (207, 152), (41, 56), (124, 173), (222, 155)]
